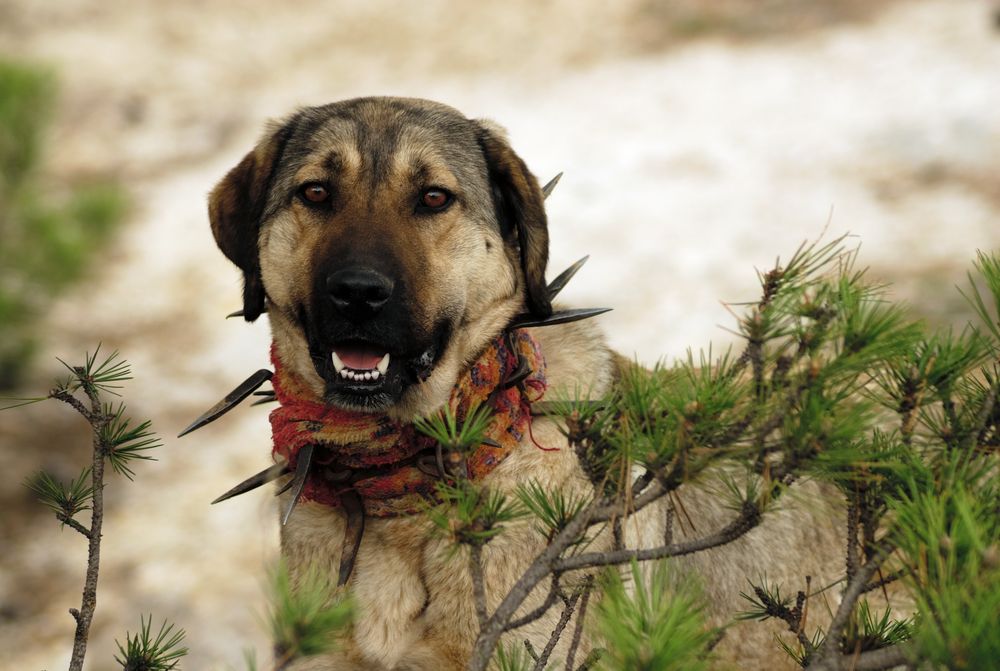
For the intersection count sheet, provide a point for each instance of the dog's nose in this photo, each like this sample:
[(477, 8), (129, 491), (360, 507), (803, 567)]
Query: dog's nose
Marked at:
[(359, 292)]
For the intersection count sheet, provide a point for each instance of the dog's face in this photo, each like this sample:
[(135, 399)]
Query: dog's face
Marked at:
[(390, 239)]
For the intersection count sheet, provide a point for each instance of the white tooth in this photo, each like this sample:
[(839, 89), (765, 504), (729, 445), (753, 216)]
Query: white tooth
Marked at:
[(383, 365), (349, 374), (338, 365), (375, 374), (368, 376), (344, 372)]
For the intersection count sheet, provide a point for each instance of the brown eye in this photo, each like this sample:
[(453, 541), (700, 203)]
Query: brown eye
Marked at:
[(315, 192), (434, 199)]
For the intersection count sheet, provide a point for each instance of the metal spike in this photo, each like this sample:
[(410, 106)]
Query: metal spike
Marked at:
[(264, 401), (231, 400), (254, 481), (522, 371), (285, 487), (354, 529), (557, 317), (299, 481), (550, 187), (556, 285), (240, 313)]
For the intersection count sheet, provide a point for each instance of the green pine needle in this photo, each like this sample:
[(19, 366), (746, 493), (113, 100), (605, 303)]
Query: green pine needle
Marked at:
[(470, 514), (125, 442), (307, 615), (453, 435), (146, 652), (64, 500), (553, 508), (95, 376), (653, 621), (20, 401)]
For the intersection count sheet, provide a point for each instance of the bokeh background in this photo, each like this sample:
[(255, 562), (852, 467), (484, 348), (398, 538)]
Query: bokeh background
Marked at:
[(700, 139)]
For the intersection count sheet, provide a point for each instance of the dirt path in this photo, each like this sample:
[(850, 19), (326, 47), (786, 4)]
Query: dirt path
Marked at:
[(686, 167)]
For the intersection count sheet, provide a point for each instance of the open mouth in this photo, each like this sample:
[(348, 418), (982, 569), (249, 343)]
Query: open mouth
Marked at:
[(360, 362), (370, 375)]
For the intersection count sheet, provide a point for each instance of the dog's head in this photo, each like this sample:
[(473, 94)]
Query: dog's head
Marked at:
[(389, 240)]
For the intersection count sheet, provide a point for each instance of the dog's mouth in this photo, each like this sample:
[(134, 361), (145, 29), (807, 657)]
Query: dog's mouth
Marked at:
[(367, 375), (361, 363)]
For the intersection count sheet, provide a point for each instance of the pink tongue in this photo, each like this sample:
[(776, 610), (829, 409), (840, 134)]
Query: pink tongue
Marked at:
[(359, 357)]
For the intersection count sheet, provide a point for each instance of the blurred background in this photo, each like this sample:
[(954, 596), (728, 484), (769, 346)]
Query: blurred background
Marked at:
[(700, 139)]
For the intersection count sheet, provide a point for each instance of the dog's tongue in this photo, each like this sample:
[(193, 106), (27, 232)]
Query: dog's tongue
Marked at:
[(359, 357)]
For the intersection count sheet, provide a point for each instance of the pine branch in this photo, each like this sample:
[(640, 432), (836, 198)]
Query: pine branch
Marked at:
[(564, 618), (550, 600), (478, 589), (70, 522), (578, 629), (749, 518), (829, 657)]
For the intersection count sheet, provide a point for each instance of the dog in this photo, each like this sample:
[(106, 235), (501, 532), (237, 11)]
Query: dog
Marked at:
[(392, 242)]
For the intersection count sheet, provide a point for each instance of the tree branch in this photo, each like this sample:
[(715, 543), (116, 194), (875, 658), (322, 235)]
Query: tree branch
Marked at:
[(550, 600), (478, 589), (830, 656), (70, 522), (749, 517), (68, 398), (89, 600), (557, 632), (578, 628)]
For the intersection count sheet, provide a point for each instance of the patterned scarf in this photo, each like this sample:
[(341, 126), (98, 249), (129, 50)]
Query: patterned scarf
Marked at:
[(386, 462)]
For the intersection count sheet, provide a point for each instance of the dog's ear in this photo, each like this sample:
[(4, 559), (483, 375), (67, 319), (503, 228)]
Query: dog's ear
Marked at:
[(520, 205), (235, 208)]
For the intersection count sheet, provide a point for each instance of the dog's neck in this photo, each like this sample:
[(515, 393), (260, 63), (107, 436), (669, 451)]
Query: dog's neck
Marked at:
[(387, 463)]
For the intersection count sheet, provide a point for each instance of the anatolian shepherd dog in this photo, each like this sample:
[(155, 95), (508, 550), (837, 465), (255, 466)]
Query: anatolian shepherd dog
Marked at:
[(391, 241)]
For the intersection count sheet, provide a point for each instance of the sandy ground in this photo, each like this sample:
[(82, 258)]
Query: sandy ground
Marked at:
[(693, 153)]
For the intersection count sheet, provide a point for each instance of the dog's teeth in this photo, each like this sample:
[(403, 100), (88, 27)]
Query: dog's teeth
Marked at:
[(344, 372), (338, 365), (375, 374), (383, 365), (368, 376)]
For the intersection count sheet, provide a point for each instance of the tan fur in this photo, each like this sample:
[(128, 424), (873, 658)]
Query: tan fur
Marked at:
[(415, 609)]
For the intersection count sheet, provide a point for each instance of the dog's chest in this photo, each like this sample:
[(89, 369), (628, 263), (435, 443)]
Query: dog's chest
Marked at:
[(412, 595)]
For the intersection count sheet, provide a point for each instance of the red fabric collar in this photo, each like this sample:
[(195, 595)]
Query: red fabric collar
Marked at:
[(387, 462)]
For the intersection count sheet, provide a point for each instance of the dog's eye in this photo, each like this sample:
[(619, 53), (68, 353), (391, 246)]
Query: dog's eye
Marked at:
[(314, 192), (433, 200)]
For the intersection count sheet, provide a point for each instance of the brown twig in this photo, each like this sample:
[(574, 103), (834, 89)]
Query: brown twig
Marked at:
[(88, 604), (557, 632), (550, 600), (70, 522), (749, 517), (478, 588), (578, 628), (830, 657)]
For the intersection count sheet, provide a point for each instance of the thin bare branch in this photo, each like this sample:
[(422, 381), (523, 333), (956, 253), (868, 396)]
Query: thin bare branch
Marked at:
[(550, 600), (478, 589), (829, 657), (557, 633), (70, 522), (749, 518), (578, 628)]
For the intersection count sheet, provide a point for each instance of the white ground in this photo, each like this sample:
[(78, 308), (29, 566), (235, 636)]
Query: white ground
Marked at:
[(685, 168)]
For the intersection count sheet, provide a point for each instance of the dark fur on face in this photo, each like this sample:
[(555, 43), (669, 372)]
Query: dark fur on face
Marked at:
[(382, 226)]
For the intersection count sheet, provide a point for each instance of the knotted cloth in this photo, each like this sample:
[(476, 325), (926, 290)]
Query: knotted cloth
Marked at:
[(381, 453)]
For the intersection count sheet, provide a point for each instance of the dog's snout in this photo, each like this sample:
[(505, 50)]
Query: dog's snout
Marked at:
[(359, 292)]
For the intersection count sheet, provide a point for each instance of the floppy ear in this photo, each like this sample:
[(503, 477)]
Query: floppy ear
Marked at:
[(235, 208), (520, 205)]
